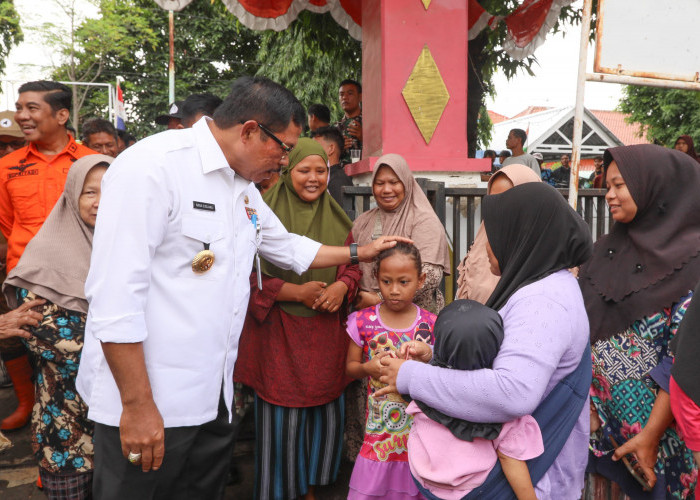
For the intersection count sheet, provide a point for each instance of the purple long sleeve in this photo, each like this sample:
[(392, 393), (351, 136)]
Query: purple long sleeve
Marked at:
[(546, 331)]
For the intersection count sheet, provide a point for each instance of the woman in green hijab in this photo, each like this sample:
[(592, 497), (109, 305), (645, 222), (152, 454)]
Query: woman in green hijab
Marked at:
[(293, 346)]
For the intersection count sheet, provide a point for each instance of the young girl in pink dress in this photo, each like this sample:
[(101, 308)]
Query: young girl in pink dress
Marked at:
[(381, 469), (449, 457)]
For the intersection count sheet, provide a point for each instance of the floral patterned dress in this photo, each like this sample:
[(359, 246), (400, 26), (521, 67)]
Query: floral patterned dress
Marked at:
[(381, 469), (61, 433), (628, 370)]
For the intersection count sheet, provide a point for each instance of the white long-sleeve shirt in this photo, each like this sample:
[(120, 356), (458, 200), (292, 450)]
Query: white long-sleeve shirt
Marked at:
[(163, 199)]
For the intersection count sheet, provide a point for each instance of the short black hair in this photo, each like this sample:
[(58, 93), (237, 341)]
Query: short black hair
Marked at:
[(125, 136), (520, 134), (489, 153), (599, 158), (58, 96), (402, 248), (260, 99), (349, 81), (205, 103), (95, 126), (321, 112), (332, 134), (504, 154)]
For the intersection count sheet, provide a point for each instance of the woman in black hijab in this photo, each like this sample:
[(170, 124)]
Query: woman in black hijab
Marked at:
[(637, 287), (535, 238)]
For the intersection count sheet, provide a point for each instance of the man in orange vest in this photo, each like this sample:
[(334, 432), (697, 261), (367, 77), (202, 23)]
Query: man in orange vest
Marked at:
[(31, 181)]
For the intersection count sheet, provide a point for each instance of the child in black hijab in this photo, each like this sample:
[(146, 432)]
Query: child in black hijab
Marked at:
[(449, 457)]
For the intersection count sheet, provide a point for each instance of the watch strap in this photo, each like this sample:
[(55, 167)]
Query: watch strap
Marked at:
[(354, 259)]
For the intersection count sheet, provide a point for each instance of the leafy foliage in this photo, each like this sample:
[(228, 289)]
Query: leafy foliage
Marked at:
[(10, 31), (211, 49), (311, 58), (666, 113), (88, 47)]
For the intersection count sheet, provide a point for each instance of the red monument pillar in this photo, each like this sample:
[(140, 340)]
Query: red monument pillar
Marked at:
[(414, 79)]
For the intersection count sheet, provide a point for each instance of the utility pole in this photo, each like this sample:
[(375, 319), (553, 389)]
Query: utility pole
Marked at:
[(171, 64)]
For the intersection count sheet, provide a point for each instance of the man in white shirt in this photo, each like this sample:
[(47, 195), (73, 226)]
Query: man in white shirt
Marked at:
[(178, 228), (516, 142)]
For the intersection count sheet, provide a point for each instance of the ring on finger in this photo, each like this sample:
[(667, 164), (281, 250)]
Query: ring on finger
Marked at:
[(134, 458)]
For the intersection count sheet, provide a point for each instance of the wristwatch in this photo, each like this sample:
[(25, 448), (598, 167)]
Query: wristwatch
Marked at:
[(354, 259)]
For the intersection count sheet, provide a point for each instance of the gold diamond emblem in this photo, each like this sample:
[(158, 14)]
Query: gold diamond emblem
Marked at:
[(426, 3), (425, 94)]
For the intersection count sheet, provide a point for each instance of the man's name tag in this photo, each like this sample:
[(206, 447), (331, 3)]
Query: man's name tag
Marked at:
[(201, 205)]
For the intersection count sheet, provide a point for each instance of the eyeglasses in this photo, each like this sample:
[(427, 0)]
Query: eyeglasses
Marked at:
[(287, 149)]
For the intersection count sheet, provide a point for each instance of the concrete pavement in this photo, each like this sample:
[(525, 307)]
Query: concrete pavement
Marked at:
[(18, 471)]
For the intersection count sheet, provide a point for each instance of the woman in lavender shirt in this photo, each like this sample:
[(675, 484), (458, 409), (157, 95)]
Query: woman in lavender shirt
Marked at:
[(534, 238)]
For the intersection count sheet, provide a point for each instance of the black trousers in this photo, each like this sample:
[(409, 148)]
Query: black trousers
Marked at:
[(195, 465)]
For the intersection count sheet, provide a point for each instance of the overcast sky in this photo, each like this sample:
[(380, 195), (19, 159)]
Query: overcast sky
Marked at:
[(554, 83)]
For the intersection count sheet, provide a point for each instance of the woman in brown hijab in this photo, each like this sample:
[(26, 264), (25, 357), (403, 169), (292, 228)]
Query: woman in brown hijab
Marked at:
[(475, 280), (403, 209), (54, 267), (685, 144)]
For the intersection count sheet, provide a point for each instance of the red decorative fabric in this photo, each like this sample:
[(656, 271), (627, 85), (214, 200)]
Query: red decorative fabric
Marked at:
[(267, 8), (290, 360), (528, 25), (525, 22), (279, 14), (478, 18), (354, 9)]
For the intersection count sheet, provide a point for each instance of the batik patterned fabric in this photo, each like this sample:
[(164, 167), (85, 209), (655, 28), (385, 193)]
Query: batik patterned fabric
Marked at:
[(61, 432), (628, 369)]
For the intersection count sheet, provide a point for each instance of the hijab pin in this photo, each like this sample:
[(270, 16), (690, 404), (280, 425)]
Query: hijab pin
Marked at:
[(638, 268), (611, 252)]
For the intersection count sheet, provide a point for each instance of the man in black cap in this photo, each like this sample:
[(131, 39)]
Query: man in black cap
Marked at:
[(174, 116)]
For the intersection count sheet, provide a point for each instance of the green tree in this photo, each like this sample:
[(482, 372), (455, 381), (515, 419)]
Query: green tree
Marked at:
[(311, 58), (86, 47), (665, 113), (211, 49), (10, 31)]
